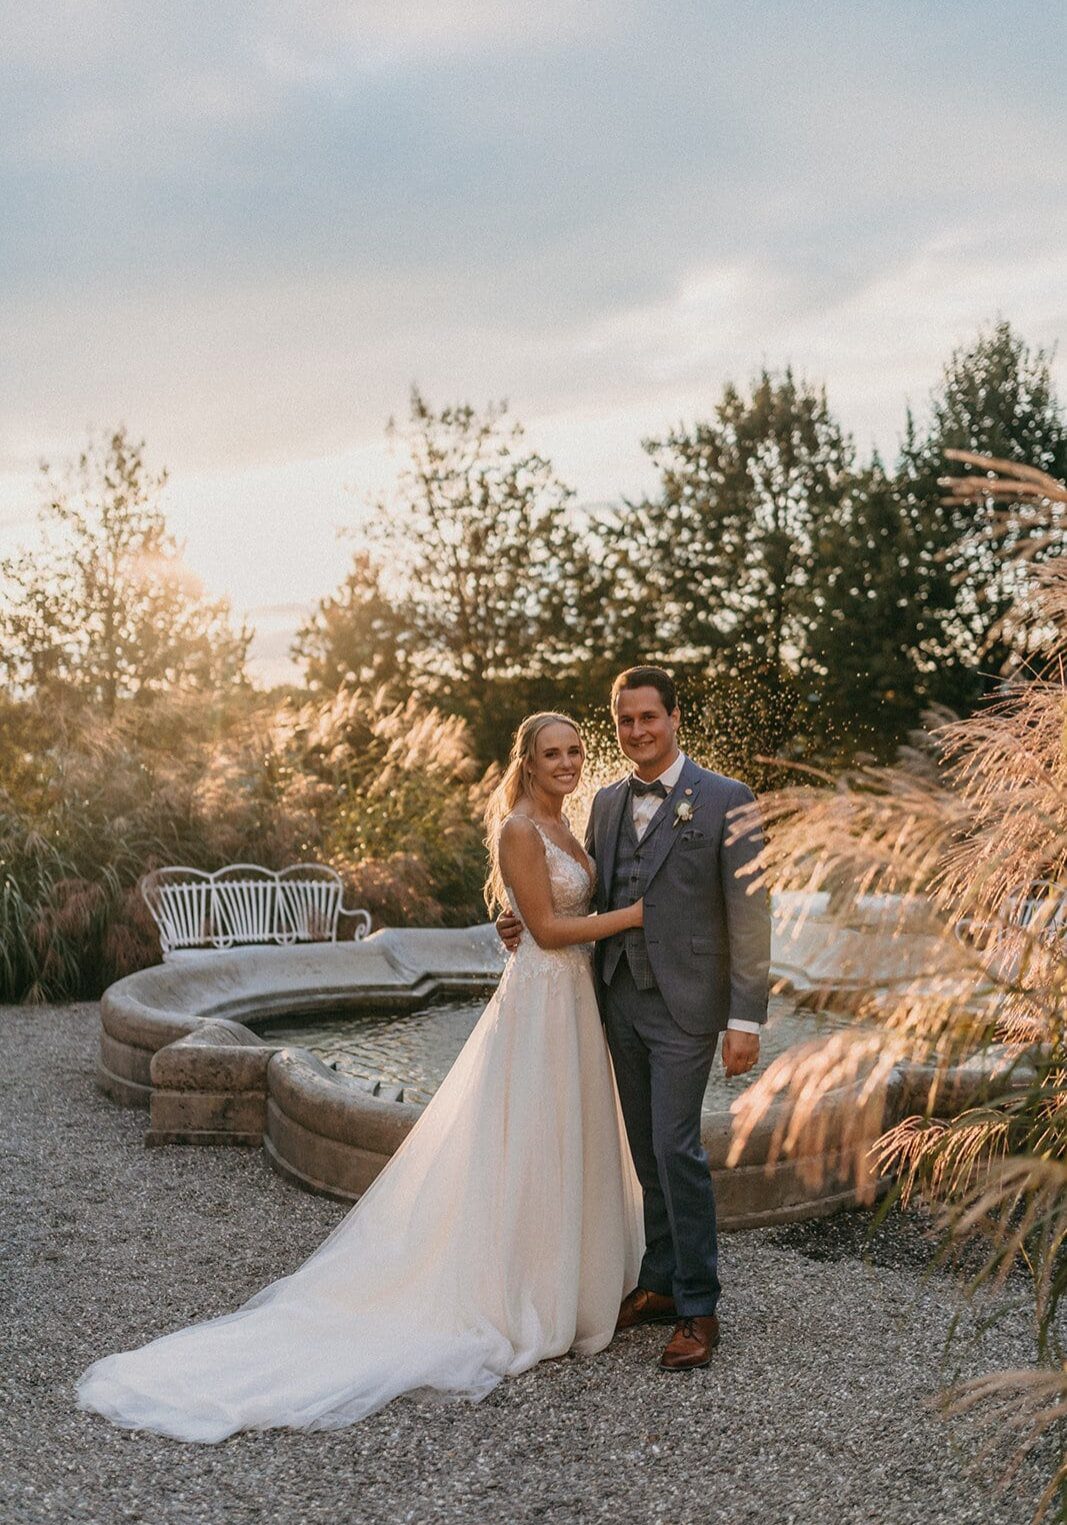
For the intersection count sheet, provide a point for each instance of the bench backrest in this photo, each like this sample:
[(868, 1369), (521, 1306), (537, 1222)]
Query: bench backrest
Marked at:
[(245, 903)]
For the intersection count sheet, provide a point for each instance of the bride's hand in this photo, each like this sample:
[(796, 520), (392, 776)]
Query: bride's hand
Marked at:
[(638, 909)]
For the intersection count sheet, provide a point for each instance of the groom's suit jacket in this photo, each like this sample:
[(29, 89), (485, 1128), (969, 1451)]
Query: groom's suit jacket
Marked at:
[(708, 939)]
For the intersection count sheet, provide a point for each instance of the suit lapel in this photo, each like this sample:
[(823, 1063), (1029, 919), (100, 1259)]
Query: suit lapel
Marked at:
[(667, 833), (609, 847)]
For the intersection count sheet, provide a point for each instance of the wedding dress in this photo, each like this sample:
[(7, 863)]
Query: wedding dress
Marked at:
[(504, 1231)]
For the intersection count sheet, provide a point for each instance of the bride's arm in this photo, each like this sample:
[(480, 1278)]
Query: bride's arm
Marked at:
[(525, 871)]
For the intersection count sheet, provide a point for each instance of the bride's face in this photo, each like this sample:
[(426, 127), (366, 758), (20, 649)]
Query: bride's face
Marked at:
[(556, 765)]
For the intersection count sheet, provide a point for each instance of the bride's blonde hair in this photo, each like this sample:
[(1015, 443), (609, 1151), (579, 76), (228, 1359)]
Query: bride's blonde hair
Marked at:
[(513, 785)]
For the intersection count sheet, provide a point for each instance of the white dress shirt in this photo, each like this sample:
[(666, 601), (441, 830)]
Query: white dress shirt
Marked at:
[(643, 807)]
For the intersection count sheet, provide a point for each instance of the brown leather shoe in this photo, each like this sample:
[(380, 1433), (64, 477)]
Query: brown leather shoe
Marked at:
[(691, 1343), (644, 1307)]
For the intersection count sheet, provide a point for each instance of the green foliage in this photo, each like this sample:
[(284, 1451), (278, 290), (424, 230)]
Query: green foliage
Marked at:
[(877, 645), (477, 611), (973, 837), (997, 398), (812, 607), (103, 608), (716, 577)]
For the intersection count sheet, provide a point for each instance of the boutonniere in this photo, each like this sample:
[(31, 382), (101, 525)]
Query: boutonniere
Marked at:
[(683, 811)]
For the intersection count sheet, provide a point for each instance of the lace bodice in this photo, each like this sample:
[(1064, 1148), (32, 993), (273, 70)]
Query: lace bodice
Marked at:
[(571, 884), (572, 892)]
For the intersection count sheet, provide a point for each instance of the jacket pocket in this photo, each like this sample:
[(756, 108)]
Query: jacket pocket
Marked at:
[(695, 839), (703, 947)]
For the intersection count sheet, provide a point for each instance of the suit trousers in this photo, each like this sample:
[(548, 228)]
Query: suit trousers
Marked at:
[(662, 1072)]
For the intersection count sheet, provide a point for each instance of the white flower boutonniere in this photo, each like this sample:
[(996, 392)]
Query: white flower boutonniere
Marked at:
[(683, 811)]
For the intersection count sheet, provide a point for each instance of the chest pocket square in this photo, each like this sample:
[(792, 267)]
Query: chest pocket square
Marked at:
[(694, 839)]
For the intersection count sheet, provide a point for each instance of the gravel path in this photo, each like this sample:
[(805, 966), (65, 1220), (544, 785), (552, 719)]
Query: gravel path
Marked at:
[(815, 1409)]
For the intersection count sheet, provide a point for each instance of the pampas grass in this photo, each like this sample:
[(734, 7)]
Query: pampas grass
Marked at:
[(970, 830)]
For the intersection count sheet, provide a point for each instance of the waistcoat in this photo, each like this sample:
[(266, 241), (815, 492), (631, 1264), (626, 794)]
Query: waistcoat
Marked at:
[(628, 884)]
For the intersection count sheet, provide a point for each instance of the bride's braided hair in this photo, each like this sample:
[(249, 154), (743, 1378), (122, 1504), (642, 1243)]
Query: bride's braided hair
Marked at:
[(513, 785)]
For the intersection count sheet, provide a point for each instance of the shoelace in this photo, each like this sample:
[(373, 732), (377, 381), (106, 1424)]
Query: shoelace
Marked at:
[(687, 1329)]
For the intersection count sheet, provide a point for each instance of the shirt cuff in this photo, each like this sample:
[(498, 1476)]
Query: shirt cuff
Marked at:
[(738, 1025)]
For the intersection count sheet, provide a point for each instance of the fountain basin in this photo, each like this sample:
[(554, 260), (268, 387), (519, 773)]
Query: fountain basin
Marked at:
[(181, 1039)]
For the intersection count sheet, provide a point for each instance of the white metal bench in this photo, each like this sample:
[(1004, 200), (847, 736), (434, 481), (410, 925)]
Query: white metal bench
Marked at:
[(244, 903)]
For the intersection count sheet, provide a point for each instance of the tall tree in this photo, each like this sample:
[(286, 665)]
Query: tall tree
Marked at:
[(714, 574), (486, 564), (996, 397), (877, 644), (104, 608), (357, 635), (718, 564)]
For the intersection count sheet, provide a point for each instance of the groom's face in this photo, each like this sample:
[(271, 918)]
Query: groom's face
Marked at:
[(647, 731)]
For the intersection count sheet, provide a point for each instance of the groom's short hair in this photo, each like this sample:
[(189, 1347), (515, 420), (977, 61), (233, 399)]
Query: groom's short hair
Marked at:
[(646, 677)]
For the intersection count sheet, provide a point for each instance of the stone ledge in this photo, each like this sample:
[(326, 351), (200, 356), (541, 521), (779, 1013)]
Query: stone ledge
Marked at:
[(334, 1140), (390, 970), (180, 1038), (332, 1106)]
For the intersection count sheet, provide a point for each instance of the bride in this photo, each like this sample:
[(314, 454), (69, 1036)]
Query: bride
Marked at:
[(506, 1228)]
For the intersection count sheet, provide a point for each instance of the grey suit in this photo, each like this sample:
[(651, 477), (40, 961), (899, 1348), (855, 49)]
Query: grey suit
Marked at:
[(666, 992)]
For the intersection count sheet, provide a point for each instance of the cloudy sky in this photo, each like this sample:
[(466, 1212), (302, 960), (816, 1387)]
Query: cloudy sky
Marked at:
[(245, 231)]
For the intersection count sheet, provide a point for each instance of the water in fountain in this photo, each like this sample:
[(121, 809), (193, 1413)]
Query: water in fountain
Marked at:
[(416, 1049)]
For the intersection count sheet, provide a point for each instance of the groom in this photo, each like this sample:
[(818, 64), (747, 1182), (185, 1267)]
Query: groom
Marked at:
[(697, 968)]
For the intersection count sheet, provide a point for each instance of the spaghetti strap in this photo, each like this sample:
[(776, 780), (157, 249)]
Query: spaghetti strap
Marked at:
[(588, 867)]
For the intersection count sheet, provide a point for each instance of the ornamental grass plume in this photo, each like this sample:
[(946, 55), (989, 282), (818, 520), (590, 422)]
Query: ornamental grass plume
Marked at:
[(406, 796), (966, 837), (390, 794)]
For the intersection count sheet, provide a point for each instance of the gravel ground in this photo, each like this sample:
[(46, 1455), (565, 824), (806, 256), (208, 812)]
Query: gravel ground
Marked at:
[(816, 1407)]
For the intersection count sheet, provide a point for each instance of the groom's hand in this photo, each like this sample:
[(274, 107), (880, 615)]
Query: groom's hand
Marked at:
[(509, 930), (740, 1051)]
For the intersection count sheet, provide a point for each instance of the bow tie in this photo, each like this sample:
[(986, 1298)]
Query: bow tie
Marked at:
[(640, 789)]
